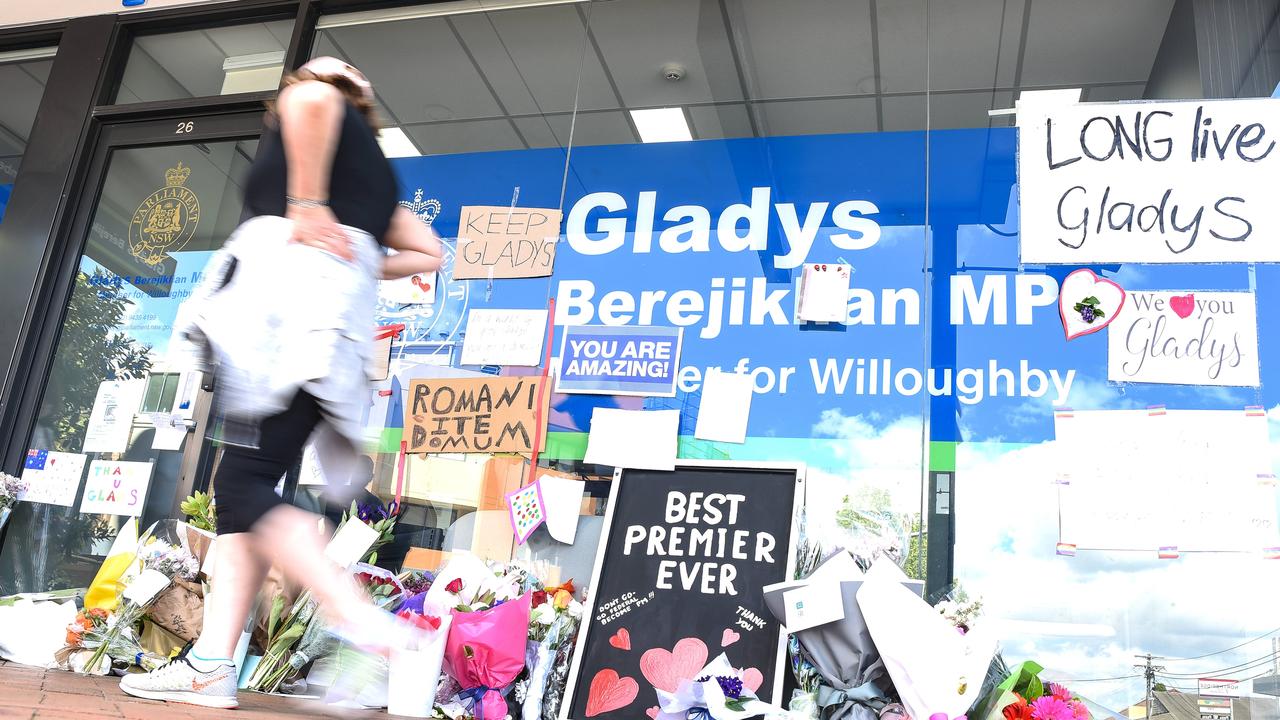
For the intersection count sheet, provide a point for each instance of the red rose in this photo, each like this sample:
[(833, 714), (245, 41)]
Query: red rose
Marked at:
[(539, 597), (454, 586)]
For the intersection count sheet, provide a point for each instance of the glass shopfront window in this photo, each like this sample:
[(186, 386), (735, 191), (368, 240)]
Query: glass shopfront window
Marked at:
[(23, 74), (211, 61)]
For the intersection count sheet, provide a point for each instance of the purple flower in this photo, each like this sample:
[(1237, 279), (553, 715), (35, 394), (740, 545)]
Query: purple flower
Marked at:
[(371, 513), (730, 686)]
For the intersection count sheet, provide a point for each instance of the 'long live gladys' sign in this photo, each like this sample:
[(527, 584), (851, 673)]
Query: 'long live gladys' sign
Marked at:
[(1170, 182)]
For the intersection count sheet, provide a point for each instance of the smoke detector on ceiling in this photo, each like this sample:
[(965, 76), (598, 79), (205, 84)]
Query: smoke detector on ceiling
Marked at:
[(673, 72)]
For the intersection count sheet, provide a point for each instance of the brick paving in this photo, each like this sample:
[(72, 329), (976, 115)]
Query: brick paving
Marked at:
[(27, 692)]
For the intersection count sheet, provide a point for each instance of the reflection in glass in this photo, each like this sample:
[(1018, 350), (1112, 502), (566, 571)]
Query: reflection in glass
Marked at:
[(22, 76), (162, 212), (200, 63)]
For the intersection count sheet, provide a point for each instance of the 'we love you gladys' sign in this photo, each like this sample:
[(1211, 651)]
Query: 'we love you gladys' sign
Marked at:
[(1168, 182), (1185, 338)]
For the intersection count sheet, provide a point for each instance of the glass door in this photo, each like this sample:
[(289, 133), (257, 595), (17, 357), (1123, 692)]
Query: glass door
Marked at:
[(120, 426)]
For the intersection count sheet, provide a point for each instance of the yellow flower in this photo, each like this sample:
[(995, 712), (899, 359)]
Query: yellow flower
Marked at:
[(562, 599)]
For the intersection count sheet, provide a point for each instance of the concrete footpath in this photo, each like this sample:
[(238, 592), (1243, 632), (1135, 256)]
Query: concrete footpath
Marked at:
[(27, 692)]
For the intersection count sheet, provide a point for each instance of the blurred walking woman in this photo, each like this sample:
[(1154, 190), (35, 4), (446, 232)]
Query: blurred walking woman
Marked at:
[(284, 317)]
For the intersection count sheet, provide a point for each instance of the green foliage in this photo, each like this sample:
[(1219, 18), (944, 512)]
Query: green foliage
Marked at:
[(198, 507)]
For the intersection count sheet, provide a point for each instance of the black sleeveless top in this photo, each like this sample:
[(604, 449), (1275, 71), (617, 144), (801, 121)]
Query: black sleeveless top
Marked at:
[(362, 186)]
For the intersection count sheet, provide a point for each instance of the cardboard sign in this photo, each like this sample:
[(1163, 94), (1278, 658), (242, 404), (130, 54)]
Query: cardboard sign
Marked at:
[(619, 360), (680, 579), (1185, 338), (506, 242), (1167, 182), (116, 488), (474, 415)]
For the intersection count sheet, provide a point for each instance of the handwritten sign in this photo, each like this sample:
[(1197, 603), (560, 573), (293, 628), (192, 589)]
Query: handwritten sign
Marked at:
[(1188, 338), (682, 570), (474, 415), (504, 337), (116, 488), (506, 242), (1147, 479), (619, 360), (111, 419), (52, 477), (1169, 182)]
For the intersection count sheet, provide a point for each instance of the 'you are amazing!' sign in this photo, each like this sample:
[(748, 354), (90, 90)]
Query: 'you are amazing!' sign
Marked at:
[(1167, 182), (679, 580)]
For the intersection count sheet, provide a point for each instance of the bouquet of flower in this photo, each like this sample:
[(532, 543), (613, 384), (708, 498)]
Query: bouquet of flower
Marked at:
[(485, 653), (717, 693), (285, 633), (553, 623), (10, 488), (959, 609), (1022, 695), (161, 564)]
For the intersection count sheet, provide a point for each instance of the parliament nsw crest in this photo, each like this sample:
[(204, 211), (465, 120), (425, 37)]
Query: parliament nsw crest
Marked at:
[(166, 220)]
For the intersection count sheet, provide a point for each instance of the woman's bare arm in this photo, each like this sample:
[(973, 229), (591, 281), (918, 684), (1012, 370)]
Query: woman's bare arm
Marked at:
[(418, 248), (310, 120)]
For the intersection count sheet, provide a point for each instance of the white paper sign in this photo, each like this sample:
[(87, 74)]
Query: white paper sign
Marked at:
[(350, 543), (52, 477), (112, 415), (824, 292), (417, 289), (640, 439), (171, 430), (812, 605), (504, 337), (1185, 338), (562, 503), (1168, 182), (725, 407), (1146, 479), (116, 488)]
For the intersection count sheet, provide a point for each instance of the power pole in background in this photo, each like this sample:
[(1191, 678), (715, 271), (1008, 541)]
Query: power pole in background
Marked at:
[(1149, 672)]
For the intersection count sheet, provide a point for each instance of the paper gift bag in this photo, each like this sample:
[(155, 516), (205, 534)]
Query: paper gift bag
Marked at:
[(180, 609), (413, 675)]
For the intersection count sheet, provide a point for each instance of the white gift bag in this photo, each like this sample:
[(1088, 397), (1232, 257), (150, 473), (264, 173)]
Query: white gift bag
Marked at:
[(414, 674)]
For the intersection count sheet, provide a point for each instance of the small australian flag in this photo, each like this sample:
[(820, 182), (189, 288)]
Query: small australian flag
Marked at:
[(36, 459)]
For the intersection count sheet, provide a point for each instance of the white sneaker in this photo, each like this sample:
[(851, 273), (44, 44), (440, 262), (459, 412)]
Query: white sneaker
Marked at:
[(178, 681)]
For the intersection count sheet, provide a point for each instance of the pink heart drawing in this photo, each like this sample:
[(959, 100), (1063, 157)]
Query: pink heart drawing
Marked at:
[(1107, 298), (1183, 305), (621, 639), (729, 637), (752, 679), (664, 669), (609, 692), (652, 712)]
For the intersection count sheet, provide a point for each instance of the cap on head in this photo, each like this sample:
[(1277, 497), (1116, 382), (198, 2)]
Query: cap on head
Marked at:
[(330, 66)]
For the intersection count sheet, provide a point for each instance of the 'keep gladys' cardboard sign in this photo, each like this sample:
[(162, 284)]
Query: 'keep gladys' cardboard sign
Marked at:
[(475, 415), (506, 242)]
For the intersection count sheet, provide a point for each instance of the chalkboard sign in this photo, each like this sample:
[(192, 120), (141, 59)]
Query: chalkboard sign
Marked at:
[(678, 580)]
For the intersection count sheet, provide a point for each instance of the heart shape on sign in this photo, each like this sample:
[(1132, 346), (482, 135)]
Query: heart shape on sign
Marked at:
[(1183, 305), (664, 669), (729, 637), (421, 284), (609, 692), (621, 639), (1088, 303), (752, 679), (653, 712)]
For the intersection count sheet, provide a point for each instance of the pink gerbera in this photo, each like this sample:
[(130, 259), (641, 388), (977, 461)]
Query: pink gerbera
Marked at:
[(1051, 708), (1081, 712), (1059, 691)]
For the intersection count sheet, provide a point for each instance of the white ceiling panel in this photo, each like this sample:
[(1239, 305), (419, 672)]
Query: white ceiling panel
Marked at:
[(639, 38), (818, 117), (426, 77), (250, 39), (720, 121), (481, 37), (1113, 93), (464, 137), (1080, 42), (806, 48), (966, 44), (947, 111), (546, 43)]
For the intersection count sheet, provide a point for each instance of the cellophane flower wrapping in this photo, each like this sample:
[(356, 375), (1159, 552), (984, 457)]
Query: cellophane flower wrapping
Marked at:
[(717, 691), (486, 652), (415, 668), (540, 657)]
